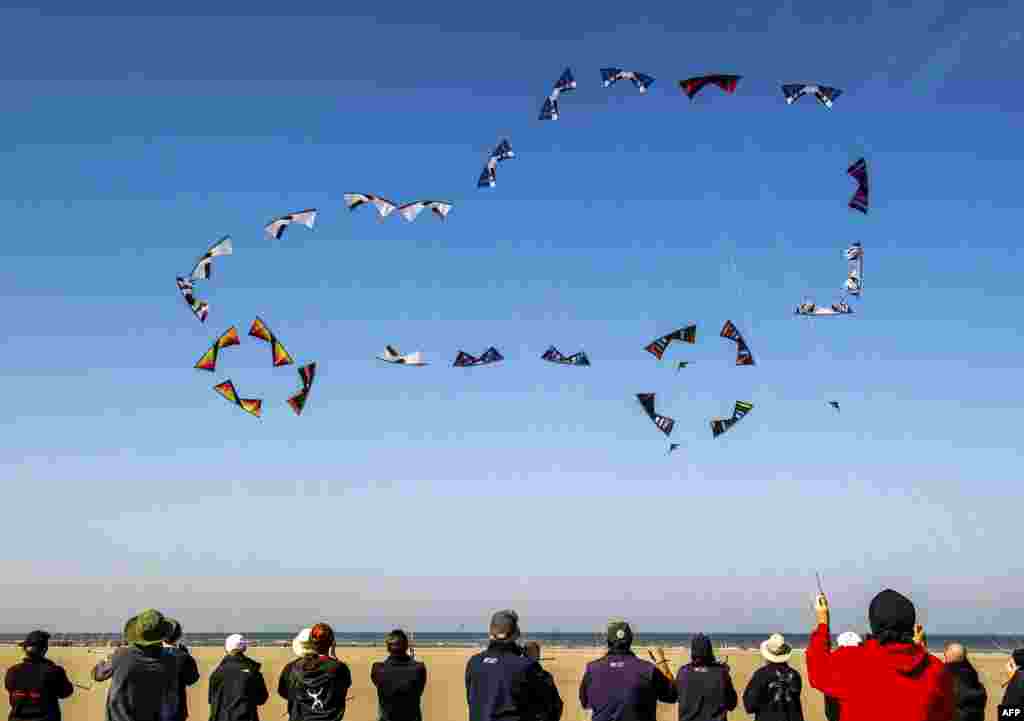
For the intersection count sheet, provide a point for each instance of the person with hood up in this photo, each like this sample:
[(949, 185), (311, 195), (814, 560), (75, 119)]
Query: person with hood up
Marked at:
[(143, 679), (969, 695), (889, 676), (316, 684), (237, 686), (621, 687), (704, 685), (188, 671), (1013, 698), (532, 650), (773, 693), (502, 683), (36, 684), (400, 681), (847, 639)]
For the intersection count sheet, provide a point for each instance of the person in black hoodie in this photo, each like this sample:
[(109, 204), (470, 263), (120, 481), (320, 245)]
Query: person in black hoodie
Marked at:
[(316, 685), (185, 665), (237, 686), (400, 681), (969, 693), (773, 693), (1013, 698), (37, 684), (621, 687), (532, 649), (705, 688), (502, 683)]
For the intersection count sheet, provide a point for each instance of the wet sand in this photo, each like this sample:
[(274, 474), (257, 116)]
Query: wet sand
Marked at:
[(445, 697)]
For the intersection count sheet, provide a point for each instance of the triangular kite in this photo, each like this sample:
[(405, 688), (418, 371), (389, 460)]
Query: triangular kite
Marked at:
[(252, 406), (280, 356), (209, 360)]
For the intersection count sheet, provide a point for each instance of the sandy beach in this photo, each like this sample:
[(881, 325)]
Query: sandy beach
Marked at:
[(445, 697)]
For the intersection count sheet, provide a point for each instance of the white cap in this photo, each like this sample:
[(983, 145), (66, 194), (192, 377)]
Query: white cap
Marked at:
[(300, 644), (848, 638), (235, 642)]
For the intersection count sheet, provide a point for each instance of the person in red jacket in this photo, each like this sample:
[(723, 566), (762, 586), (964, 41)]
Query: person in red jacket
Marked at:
[(889, 676)]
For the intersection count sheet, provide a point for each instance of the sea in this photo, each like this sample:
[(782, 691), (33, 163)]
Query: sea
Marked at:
[(554, 639)]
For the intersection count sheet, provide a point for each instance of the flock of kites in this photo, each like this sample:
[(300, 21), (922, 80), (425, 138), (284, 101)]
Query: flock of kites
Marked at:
[(275, 229)]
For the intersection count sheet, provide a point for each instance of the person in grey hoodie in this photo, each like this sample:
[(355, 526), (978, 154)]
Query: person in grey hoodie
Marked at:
[(144, 684)]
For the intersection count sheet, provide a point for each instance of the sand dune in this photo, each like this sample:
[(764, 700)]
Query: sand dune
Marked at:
[(445, 698)]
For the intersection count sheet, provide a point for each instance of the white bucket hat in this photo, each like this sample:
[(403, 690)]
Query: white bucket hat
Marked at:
[(300, 644), (848, 638), (775, 649), (235, 642)]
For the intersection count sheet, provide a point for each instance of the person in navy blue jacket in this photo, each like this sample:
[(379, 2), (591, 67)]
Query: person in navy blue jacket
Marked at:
[(503, 683), (621, 687)]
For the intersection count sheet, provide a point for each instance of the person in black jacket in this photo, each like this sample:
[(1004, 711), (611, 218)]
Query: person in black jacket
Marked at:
[(705, 688), (621, 687), (968, 690), (503, 684), (185, 665), (400, 681), (237, 686), (36, 684), (316, 684), (143, 678), (532, 649), (1013, 698), (773, 693)]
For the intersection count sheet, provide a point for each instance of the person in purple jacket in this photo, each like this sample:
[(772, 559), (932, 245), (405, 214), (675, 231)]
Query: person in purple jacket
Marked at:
[(621, 687)]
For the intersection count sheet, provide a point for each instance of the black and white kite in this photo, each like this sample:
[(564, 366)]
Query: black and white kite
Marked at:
[(610, 76), (394, 356), (672, 447), (553, 355), (834, 404), (565, 83), (201, 271), (440, 208), (488, 177), (664, 423), (199, 307), (823, 93), (384, 207), (275, 228)]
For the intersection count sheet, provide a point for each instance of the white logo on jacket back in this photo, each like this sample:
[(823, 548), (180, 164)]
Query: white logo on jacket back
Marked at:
[(318, 704), (490, 659)]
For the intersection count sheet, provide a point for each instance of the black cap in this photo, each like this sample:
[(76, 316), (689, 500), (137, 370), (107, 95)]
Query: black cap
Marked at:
[(174, 630), (891, 611), (1018, 657), (700, 649), (505, 625), (619, 633), (36, 639), (397, 642)]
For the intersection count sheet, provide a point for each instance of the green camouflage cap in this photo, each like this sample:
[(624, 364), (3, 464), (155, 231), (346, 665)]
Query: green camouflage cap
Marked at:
[(147, 629), (619, 633)]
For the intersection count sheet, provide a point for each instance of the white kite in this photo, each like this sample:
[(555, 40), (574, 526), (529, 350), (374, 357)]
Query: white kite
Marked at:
[(440, 208), (854, 286), (391, 355), (202, 268), (275, 228), (384, 207)]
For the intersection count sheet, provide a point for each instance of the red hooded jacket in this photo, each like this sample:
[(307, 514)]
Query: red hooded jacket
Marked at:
[(872, 682)]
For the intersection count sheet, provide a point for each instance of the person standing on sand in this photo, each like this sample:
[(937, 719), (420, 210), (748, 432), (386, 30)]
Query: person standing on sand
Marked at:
[(143, 679), (503, 684), (969, 695), (889, 676), (621, 687), (847, 639), (704, 686), (1013, 698), (773, 693), (315, 685), (237, 686), (532, 650), (36, 684), (400, 681), (187, 669)]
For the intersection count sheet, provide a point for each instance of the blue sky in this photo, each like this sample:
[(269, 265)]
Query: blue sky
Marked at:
[(130, 143)]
